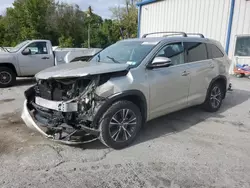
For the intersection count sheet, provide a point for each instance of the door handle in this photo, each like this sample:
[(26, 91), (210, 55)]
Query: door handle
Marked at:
[(45, 57), (185, 73)]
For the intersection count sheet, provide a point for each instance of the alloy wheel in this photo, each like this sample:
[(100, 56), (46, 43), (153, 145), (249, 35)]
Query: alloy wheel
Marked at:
[(216, 97), (122, 125)]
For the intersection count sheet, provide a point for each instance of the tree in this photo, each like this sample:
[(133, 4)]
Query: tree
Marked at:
[(65, 42), (127, 17), (28, 19), (64, 24), (68, 22)]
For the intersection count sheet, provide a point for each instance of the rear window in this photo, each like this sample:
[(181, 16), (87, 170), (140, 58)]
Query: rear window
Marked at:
[(196, 51), (214, 51), (242, 47)]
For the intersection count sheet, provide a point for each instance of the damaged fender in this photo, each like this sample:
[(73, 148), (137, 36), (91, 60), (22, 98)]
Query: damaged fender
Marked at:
[(67, 110)]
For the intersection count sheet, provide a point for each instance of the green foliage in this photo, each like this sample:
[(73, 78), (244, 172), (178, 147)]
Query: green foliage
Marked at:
[(127, 17), (64, 24), (65, 42)]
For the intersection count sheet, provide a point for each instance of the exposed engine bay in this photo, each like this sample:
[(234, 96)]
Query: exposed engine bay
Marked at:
[(66, 107)]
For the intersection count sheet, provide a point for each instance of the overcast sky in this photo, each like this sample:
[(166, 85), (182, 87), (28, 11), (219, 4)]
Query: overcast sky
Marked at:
[(100, 7)]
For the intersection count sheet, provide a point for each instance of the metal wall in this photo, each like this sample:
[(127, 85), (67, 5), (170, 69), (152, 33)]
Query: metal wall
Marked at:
[(209, 17)]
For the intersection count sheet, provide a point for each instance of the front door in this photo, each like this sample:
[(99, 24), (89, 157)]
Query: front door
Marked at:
[(169, 86), (39, 59)]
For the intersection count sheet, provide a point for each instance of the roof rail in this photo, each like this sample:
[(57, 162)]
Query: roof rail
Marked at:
[(199, 34), (171, 32)]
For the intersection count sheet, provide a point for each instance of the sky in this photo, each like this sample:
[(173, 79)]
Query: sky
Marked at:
[(100, 7)]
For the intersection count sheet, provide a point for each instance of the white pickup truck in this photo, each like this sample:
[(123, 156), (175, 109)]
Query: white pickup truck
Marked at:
[(28, 58)]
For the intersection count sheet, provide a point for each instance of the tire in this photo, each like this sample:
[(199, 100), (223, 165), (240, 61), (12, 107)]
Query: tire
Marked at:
[(209, 104), (118, 136), (7, 77), (240, 75)]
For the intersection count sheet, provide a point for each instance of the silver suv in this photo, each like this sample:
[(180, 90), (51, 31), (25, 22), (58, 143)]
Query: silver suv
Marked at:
[(124, 86)]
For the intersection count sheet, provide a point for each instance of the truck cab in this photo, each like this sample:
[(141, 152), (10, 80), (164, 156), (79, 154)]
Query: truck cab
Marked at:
[(26, 59), (34, 57)]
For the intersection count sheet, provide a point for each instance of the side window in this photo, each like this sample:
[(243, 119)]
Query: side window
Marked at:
[(175, 52), (242, 47), (214, 51), (38, 48), (196, 51)]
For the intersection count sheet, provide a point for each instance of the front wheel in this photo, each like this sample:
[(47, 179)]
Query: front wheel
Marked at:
[(120, 124), (7, 77)]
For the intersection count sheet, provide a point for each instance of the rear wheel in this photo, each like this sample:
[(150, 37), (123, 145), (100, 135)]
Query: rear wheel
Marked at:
[(214, 98), (7, 77), (120, 124)]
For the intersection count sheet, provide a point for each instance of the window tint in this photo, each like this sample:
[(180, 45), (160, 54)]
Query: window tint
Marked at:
[(196, 51), (38, 48), (214, 51), (242, 47), (173, 51)]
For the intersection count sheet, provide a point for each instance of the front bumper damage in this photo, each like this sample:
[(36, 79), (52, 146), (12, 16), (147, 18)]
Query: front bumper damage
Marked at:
[(33, 124), (68, 121)]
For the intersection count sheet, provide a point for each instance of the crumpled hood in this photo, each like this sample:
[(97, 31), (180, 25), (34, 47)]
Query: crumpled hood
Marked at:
[(80, 69)]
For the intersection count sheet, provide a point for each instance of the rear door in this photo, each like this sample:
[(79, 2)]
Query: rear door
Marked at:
[(202, 71), (39, 59)]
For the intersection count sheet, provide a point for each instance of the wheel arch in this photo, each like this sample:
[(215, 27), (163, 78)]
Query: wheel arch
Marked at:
[(221, 79), (10, 66), (135, 96)]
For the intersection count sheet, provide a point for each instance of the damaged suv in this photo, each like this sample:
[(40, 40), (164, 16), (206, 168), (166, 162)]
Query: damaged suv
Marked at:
[(125, 85)]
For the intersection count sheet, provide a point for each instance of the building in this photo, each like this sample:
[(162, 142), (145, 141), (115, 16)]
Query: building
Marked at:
[(227, 21)]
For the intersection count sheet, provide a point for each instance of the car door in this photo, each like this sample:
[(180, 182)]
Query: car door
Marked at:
[(38, 59), (169, 85), (201, 71)]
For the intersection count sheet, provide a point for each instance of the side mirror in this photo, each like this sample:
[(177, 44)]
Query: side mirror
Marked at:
[(159, 62), (26, 51)]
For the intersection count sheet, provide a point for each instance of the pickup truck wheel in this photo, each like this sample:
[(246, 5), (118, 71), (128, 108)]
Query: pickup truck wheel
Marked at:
[(120, 124), (7, 77)]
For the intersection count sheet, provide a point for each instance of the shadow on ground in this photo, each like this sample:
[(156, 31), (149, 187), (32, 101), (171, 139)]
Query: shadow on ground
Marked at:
[(175, 122), (181, 120), (184, 119)]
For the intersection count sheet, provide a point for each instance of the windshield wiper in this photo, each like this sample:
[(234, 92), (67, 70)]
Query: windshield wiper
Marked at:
[(113, 59)]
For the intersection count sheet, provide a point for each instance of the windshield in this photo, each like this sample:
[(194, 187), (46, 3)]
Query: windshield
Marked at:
[(19, 46), (130, 52)]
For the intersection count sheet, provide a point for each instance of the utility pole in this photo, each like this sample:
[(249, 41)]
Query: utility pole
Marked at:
[(89, 35), (89, 14)]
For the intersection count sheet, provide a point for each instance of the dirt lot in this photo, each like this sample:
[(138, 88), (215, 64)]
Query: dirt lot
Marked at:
[(190, 148)]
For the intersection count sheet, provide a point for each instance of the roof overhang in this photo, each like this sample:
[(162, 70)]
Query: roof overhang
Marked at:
[(145, 2)]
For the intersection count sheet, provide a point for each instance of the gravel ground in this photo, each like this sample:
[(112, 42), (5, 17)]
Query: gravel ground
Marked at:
[(190, 148)]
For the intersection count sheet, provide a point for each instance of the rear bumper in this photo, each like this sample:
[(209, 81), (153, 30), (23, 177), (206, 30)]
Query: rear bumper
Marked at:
[(31, 123)]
